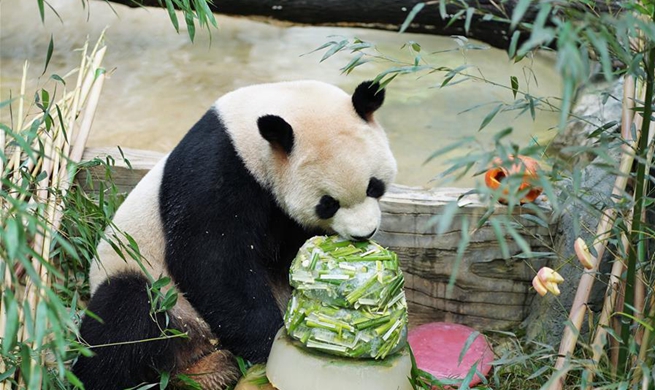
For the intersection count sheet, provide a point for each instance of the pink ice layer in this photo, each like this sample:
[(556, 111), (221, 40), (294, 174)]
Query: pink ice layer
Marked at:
[(437, 347)]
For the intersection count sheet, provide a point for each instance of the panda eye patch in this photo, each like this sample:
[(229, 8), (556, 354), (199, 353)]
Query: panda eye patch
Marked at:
[(327, 207), (376, 188)]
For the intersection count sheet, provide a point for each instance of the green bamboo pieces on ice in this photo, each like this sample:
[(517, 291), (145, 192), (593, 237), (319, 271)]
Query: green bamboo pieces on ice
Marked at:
[(348, 298)]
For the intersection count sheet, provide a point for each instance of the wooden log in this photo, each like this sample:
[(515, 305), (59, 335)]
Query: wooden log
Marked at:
[(390, 14), (490, 292)]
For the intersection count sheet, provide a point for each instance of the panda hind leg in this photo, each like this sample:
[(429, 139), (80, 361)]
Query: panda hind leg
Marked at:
[(122, 359)]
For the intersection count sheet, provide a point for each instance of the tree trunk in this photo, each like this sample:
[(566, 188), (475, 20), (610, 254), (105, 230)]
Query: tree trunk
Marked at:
[(381, 14)]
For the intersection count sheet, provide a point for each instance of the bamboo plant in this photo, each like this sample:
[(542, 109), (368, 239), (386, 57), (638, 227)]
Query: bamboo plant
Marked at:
[(39, 158)]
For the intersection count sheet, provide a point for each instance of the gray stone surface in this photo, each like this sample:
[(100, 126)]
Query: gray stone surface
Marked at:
[(596, 106), (579, 218)]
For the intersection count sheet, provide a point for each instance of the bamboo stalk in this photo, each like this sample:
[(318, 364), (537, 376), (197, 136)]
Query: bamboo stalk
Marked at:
[(85, 127), (613, 287), (603, 234), (31, 294), (54, 163), (21, 103), (645, 341), (6, 286), (3, 140)]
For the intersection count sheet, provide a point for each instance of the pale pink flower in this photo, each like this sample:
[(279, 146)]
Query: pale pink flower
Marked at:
[(584, 255), (547, 280)]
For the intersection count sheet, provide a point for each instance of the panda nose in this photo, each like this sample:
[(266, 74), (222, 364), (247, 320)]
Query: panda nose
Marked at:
[(366, 237)]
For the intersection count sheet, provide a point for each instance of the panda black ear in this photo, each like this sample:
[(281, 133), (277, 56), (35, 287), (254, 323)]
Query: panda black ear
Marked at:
[(367, 99), (277, 132)]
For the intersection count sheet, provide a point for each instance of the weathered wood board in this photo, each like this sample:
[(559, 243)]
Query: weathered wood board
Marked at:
[(489, 292)]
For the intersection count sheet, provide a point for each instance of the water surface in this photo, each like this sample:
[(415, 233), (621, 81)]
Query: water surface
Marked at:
[(161, 83)]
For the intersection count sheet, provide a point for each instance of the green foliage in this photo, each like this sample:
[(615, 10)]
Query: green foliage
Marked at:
[(617, 41), (583, 38), (192, 11), (50, 262)]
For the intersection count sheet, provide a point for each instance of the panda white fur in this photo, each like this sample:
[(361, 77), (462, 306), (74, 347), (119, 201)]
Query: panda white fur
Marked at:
[(267, 167)]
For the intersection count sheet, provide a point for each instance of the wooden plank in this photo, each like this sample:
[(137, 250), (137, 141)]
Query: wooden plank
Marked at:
[(126, 171), (489, 292)]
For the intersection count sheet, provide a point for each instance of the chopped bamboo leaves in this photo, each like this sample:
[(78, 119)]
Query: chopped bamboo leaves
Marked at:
[(348, 298)]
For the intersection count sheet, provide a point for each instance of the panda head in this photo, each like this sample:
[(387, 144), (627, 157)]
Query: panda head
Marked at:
[(318, 149)]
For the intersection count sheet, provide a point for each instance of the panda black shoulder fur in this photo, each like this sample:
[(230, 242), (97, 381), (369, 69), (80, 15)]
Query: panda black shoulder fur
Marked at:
[(267, 167)]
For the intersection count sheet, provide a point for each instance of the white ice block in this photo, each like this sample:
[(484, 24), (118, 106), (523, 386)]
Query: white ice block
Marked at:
[(291, 367)]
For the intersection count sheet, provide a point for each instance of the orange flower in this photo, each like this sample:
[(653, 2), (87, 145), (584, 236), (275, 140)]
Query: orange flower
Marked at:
[(547, 280), (528, 166)]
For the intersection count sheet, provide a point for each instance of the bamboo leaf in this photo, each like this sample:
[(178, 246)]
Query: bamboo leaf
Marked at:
[(567, 98), (323, 46), (500, 238), (539, 372), (466, 382), (188, 382), (461, 248), (535, 219), (160, 283), (469, 16), (335, 49), (513, 44), (355, 62), (172, 15), (41, 10), (519, 11), (58, 78), (525, 247), (7, 102), (11, 370), (533, 112), (467, 345), (502, 134), (40, 321), (452, 73), (169, 300), (410, 17), (490, 116), (51, 47), (386, 82), (11, 324), (206, 12), (243, 367), (74, 380), (600, 45), (444, 221), (358, 46), (164, 379), (12, 238), (514, 81), (450, 147), (190, 25), (455, 18)]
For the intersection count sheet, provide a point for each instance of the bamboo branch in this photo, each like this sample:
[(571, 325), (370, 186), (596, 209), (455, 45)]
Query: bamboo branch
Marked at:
[(603, 234), (613, 286), (609, 304)]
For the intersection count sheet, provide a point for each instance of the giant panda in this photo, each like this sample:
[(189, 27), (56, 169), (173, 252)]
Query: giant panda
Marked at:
[(267, 167)]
